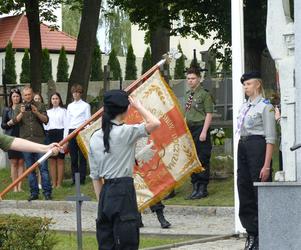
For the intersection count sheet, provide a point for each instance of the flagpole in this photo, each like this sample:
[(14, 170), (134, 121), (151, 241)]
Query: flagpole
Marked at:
[(237, 16), (129, 89)]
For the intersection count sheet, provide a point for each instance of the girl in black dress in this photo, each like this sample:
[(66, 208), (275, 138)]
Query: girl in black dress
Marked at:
[(15, 157)]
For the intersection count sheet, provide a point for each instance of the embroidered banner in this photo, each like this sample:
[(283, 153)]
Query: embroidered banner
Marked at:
[(168, 156)]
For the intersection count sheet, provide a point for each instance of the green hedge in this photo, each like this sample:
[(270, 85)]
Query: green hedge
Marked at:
[(24, 233)]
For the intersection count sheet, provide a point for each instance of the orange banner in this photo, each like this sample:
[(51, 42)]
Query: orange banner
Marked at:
[(168, 156)]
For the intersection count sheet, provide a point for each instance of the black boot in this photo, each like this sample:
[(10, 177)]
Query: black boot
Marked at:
[(195, 188), (201, 192), (164, 223), (170, 195), (251, 243), (140, 223)]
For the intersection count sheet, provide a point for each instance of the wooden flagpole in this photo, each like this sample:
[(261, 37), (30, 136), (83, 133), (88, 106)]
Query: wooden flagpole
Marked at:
[(129, 89)]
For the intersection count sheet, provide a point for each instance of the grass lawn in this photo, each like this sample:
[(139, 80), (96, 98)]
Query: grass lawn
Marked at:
[(68, 241), (221, 192)]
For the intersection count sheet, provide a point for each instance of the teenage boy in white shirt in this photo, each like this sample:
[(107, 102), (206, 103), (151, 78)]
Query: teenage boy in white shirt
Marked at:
[(77, 113)]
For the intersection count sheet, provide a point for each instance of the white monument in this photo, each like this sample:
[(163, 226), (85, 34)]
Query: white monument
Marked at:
[(279, 203), (281, 44)]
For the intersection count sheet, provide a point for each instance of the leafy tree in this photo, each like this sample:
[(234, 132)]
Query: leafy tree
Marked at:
[(71, 17), (36, 11), (131, 68), (10, 65), (46, 66), (86, 42), (96, 65), (114, 66), (117, 28), (180, 65), (62, 67), (147, 61), (25, 74)]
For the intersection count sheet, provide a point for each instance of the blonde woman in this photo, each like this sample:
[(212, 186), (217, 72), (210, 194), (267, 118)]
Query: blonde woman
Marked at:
[(256, 126)]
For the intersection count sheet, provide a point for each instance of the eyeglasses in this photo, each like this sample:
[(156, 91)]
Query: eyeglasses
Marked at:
[(15, 91)]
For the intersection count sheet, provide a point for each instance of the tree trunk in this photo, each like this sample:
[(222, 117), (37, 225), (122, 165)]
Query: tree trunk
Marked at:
[(32, 13), (160, 45), (86, 42)]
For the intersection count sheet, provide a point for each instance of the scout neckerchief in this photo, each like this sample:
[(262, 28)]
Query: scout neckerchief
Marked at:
[(241, 117), (189, 102)]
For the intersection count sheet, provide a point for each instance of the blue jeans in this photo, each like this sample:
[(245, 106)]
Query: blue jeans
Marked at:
[(31, 158)]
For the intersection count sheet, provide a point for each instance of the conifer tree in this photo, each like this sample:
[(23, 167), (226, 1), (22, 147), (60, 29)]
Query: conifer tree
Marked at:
[(25, 74), (114, 66), (46, 66), (96, 65), (10, 76), (180, 65), (131, 68), (62, 67), (147, 61)]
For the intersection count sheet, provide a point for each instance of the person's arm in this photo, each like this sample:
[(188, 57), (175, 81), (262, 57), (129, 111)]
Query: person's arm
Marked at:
[(265, 171), (269, 126), (5, 121), (19, 112), (41, 116), (206, 126), (151, 122), (97, 184), (23, 145)]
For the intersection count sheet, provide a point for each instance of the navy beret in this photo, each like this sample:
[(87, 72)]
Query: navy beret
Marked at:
[(250, 75), (117, 98)]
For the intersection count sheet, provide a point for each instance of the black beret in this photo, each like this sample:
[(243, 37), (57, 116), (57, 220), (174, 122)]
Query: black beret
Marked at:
[(117, 98), (250, 75)]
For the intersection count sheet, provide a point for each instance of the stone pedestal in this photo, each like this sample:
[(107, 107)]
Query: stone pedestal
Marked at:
[(279, 215)]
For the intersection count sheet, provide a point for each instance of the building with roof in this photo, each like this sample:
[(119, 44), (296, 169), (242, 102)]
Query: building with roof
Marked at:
[(15, 29)]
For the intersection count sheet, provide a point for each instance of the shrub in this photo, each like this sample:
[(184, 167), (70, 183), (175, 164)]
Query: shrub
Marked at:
[(23, 233), (25, 74), (114, 66), (180, 65), (62, 67), (147, 61), (131, 68), (96, 65), (46, 66), (10, 65)]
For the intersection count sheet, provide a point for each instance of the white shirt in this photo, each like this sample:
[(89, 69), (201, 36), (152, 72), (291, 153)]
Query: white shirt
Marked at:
[(77, 113), (57, 118)]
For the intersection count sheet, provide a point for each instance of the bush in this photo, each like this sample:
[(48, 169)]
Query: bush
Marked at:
[(25, 74), (46, 66), (180, 65), (23, 233), (131, 68), (96, 65), (147, 61), (10, 65), (62, 67), (114, 66)]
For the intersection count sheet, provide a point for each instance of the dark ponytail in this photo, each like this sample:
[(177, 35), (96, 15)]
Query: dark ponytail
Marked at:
[(106, 128)]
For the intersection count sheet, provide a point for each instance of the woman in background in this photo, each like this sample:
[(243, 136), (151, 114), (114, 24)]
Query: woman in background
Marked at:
[(55, 133), (15, 157)]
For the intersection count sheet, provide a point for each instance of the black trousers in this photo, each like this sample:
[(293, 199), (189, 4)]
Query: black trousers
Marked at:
[(204, 154), (76, 154), (157, 207), (251, 157), (117, 220)]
